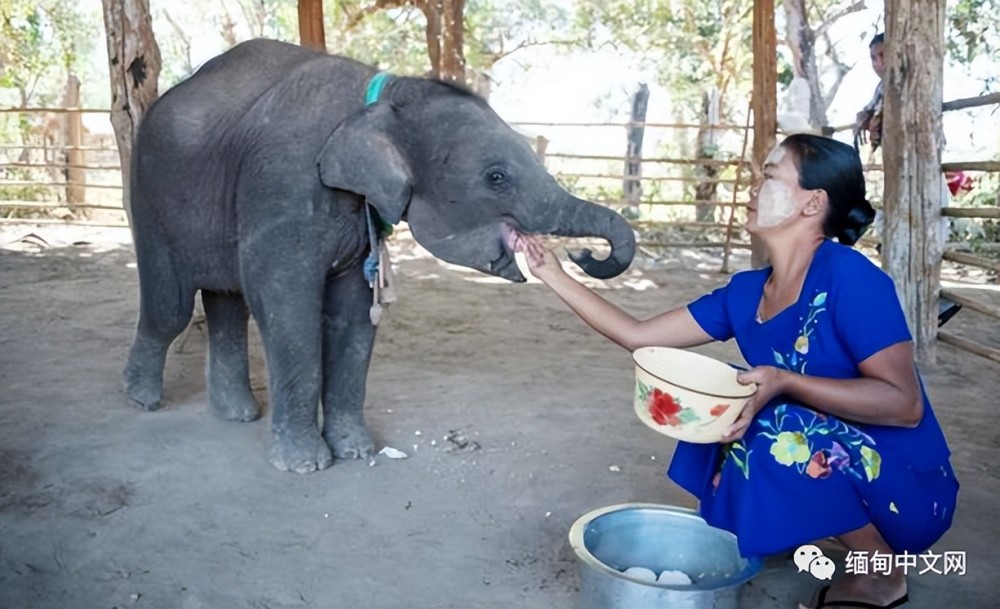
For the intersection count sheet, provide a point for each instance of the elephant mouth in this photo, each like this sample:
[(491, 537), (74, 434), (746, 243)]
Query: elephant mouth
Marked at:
[(505, 264), (509, 234)]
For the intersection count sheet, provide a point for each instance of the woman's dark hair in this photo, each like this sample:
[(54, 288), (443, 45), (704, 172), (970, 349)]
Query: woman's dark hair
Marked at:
[(834, 167), (878, 39)]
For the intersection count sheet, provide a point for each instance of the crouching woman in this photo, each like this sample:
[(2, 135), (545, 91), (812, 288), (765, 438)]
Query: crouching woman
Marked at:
[(840, 438)]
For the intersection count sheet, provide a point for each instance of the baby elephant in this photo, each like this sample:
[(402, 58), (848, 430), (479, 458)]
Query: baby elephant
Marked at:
[(252, 182)]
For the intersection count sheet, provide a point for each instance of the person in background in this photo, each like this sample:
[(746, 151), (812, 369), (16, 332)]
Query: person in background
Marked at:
[(868, 129), (868, 122), (840, 438)]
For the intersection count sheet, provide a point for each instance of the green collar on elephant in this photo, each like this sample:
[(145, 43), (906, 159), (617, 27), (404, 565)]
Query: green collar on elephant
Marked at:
[(384, 228), (375, 87)]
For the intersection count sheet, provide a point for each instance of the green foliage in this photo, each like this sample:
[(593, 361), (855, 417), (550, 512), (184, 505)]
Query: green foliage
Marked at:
[(40, 42), (973, 29), (693, 44), (396, 37), (392, 39), (496, 29)]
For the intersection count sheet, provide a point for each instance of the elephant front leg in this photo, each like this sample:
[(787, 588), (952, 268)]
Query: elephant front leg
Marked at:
[(289, 318), (348, 337)]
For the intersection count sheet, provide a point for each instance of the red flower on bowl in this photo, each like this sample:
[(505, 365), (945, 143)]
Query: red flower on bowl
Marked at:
[(663, 408), (718, 409)]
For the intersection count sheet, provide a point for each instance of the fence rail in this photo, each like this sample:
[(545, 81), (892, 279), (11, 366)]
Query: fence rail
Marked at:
[(672, 182), (971, 212), (970, 303), (968, 345)]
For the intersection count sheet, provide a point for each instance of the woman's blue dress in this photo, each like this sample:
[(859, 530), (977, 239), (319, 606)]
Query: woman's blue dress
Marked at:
[(799, 475)]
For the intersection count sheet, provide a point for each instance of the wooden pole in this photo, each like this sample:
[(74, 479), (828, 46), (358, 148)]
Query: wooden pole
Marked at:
[(632, 181), (912, 142), (708, 147), (76, 176), (311, 33), (732, 209), (134, 62), (765, 98)]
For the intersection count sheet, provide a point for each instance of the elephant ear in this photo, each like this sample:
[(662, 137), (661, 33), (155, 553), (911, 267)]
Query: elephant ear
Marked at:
[(360, 157)]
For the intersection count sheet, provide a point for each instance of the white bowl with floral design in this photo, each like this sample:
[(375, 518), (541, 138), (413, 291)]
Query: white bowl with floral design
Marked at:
[(686, 395)]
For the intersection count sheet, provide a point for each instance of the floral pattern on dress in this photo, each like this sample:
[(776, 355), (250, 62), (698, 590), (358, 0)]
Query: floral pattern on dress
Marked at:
[(814, 444), (810, 441), (817, 445), (795, 360)]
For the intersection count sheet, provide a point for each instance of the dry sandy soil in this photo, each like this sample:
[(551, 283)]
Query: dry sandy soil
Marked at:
[(516, 419)]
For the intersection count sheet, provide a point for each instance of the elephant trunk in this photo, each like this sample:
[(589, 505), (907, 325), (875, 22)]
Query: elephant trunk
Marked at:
[(580, 218)]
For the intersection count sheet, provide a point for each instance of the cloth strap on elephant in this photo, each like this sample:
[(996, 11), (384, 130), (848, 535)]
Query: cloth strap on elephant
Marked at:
[(375, 86), (376, 267)]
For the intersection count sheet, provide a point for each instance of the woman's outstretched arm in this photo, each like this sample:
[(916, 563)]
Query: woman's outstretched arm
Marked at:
[(674, 328)]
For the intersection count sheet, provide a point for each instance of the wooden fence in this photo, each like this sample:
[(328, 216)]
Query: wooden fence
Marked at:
[(57, 174), (58, 171)]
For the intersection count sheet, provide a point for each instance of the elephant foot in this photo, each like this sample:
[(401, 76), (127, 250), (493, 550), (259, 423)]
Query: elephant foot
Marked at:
[(300, 453), (144, 391), (349, 438), (234, 406)]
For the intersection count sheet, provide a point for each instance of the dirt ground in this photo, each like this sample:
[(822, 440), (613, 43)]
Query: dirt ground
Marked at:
[(516, 419)]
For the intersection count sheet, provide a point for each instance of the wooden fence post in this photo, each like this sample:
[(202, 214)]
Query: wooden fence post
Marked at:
[(708, 147), (541, 145), (76, 175), (631, 184)]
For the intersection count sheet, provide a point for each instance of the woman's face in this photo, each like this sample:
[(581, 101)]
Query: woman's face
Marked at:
[(777, 196)]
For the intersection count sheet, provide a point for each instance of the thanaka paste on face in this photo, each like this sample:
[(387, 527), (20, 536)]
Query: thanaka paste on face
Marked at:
[(775, 202)]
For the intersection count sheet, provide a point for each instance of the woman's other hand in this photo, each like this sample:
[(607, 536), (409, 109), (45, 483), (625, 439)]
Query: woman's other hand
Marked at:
[(771, 382)]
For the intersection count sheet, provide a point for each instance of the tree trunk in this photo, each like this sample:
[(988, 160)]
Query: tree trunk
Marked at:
[(134, 61), (432, 14), (912, 143), (311, 33), (453, 41), (708, 146), (801, 39), (765, 98)]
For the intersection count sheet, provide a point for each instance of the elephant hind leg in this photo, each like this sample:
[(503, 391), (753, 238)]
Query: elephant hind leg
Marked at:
[(165, 307), (228, 358)]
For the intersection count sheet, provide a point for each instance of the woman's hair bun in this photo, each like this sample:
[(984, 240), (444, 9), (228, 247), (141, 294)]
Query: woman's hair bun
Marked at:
[(849, 227)]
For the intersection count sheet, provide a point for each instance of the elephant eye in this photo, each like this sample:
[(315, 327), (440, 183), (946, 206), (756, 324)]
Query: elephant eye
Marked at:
[(496, 177)]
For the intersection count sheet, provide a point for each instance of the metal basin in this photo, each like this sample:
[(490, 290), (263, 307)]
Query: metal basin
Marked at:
[(658, 537)]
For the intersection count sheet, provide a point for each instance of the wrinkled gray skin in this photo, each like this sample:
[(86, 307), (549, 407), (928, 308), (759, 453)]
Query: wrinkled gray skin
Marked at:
[(249, 182)]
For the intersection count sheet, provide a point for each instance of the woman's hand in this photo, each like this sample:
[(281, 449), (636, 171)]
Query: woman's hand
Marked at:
[(542, 263), (771, 382)]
